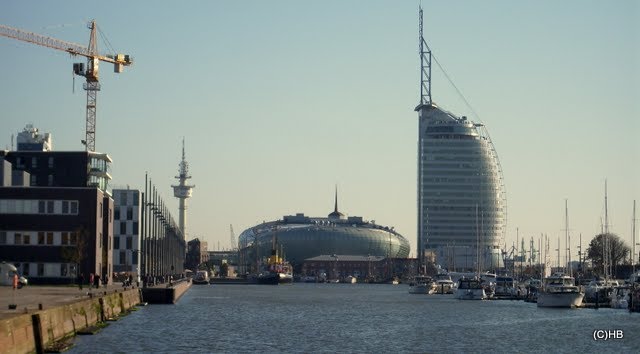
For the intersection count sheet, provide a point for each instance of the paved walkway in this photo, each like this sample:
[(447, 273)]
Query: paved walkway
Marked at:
[(29, 297)]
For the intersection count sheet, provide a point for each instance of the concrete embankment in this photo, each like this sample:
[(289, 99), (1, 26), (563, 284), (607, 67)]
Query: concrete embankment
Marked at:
[(37, 330)]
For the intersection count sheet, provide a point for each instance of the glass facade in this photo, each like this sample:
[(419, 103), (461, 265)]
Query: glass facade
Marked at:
[(461, 198), (301, 237)]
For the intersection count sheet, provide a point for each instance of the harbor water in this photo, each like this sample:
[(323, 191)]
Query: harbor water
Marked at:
[(359, 318)]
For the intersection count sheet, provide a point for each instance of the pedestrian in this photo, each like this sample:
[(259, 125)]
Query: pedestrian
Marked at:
[(91, 276), (80, 280), (96, 281), (105, 281), (130, 280)]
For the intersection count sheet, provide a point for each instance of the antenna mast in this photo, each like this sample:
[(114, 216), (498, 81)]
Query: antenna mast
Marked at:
[(425, 68)]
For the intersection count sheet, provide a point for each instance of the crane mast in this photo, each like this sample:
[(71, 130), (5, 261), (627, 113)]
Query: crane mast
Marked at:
[(92, 84)]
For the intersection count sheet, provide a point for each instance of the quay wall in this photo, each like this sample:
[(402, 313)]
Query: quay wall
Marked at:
[(30, 333), (168, 295)]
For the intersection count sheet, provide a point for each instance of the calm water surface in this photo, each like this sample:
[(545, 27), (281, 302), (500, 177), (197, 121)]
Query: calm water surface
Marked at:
[(362, 318)]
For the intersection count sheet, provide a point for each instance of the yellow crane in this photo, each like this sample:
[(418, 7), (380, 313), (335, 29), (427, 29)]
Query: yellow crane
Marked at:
[(92, 86)]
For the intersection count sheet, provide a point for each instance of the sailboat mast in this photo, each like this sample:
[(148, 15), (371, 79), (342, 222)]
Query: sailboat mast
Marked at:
[(607, 250), (633, 238), (566, 236)]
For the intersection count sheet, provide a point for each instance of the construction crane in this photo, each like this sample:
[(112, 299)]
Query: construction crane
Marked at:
[(92, 86), (234, 246)]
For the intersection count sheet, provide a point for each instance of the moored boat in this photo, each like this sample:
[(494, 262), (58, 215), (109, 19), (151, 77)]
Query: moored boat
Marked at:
[(559, 290), (470, 289), (620, 297), (444, 284), (201, 277), (422, 284)]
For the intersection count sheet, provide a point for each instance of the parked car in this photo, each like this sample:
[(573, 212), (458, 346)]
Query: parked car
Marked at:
[(7, 271)]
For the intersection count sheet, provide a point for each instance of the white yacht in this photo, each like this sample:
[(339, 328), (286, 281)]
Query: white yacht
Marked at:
[(422, 284), (620, 297), (559, 290), (444, 284), (599, 290), (470, 289)]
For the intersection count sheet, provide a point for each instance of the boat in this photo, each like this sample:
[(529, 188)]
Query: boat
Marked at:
[(422, 284), (559, 290), (201, 277), (505, 287), (277, 270), (600, 291), (350, 279), (444, 284), (620, 297), (470, 289)]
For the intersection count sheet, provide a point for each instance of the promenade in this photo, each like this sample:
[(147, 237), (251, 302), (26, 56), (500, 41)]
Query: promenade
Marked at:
[(32, 296)]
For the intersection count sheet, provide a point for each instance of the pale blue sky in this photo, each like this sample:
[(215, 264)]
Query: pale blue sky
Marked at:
[(281, 100)]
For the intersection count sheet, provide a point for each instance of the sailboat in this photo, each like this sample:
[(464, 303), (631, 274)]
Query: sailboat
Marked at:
[(559, 290), (471, 288)]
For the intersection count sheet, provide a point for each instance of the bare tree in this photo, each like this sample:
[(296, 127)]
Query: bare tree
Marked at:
[(76, 251)]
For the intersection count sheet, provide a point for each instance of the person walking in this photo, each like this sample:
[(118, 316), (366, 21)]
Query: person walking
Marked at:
[(80, 280)]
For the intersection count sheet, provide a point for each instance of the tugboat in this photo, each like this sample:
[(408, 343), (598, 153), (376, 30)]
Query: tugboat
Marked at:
[(277, 270)]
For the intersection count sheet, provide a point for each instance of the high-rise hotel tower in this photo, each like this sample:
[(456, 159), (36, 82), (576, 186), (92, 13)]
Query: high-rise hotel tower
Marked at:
[(461, 196)]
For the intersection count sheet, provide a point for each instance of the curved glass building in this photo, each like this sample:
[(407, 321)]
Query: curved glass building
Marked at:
[(461, 195), (461, 198), (300, 237)]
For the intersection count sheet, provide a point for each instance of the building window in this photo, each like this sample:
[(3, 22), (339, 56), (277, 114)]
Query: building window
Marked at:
[(25, 269), (135, 228), (123, 228), (3, 237), (34, 180), (65, 207), (26, 239), (17, 238), (123, 198), (49, 238), (40, 206), (41, 238), (101, 210), (74, 207), (134, 258), (50, 162), (129, 242), (129, 213), (123, 257), (136, 201), (74, 238), (116, 213), (34, 162), (65, 238), (116, 242), (40, 269), (50, 206)]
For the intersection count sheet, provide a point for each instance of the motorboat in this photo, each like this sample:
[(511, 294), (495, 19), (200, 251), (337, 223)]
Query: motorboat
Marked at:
[(350, 279), (559, 290), (600, 290), (505, 287), (422, 284), (470, 289), (620, 297), (201, 277), (444, 284)]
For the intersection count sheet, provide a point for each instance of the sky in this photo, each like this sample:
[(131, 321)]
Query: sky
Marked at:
[(279, 102)]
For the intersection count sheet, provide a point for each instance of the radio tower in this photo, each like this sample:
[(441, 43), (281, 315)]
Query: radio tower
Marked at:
[(183, 191)]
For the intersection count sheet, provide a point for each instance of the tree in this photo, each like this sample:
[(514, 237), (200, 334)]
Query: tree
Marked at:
[(618, 250), (75, 253)]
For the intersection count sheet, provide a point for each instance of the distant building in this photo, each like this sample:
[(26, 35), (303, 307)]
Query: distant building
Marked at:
[(363, 268), (196, 254), (301, 237), (126, 231), (462, 211)]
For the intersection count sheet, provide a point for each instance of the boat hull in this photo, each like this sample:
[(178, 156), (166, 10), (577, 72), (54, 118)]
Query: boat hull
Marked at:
[(565, 300), (471, 294), (274, 279)]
